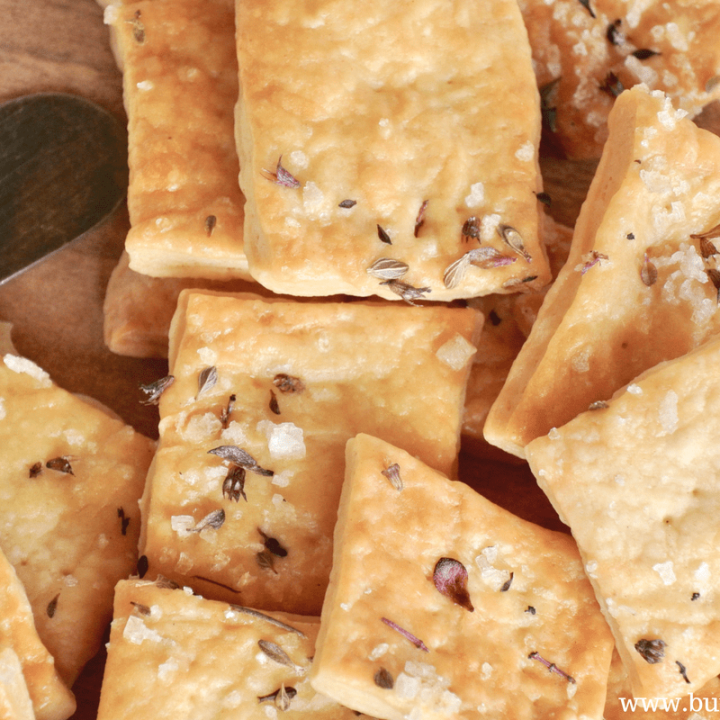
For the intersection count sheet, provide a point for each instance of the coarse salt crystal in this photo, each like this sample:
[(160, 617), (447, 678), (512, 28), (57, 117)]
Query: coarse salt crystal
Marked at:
[(486, 671), (407, 687), (476, 196), (285, 440), (665, 571), (554, 434), (137, 632), (299, 159), (145, 85), (28, 367), (525, 152), (456, 352), (635, 389), (488, 226), (111, 14), (169, 667), (668, 414), (378, 651), (181, 524), (702, 574), (281, 479)]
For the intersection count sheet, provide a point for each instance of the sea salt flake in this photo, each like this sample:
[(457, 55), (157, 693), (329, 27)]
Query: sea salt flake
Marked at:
[(488, 226), (145, 85), (169, 667), (137, 632), (281, 479), (378, 651), (668, 413), (476, 196), (702, 574), (486, 671), (525, 152), (181, 524), (407, 687), (554, 434), (456, 352), (28, 367), (665, 571), (635, 389), (298, 159), (285, 440)]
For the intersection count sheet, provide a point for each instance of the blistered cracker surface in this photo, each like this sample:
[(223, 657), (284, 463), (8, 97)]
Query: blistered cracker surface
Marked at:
[(602, 324), (636, 482), (62, 532), (177, 655), (388, 105), (51, 699), (180, 88), (570, 42), (363, 367), (477, 664)]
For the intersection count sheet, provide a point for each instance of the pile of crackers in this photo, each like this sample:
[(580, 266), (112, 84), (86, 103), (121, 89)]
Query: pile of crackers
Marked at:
[(339, 240)]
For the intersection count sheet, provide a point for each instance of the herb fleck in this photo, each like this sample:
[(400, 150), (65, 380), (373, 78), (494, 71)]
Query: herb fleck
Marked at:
[(276, 653), (611, 85), (210, 222), (552, 667), (283, 177), (273, 545), (513, 239), (233, 487), (227, 411), (383, 236), (683, 671), (414, 640), (288, 383), (142, 609), (213, 520), (548, 98), (695, 596), (392, 473), (630, 236), (138, 28), (52, 606), (348, 204), (274, 407), (240, 457), (544, 198), (420, 219), (267, 618), (531, 610), (494, 318), (648, 272), (614, 34), (155, 389), (507, 583), (707, 248), (61, 464), (383, 679), (471, 229), (388, 269), (450, 578), (142, 566), (265, 560), (407, 292), (644, 54), (281, 698), (590, 260), (207, 380), (124, 521), (35, 470), (586, 5), (652, 651)]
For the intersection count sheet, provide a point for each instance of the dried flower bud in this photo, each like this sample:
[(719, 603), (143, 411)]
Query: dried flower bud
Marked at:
[(52, 606), (388, 269), (61, 464), (420, 219), (265, 560), (213, 520), (239, 457), (210, 222), (346, 204), (683, 671), (648, 272), (409, 636), (283, 177), (227, 411), (383, 679), (276, 653), (273, 545), (652, 651), (552, 667), (35, 470), (384, 237), (644, 54), (614, 34), (207, 380), (513, 239), (155, 389), (450, 578), (142, 566), (392, 473), (288, 383), (612, 85), (471, 229), (407, 292), (233, 487), (590, 260), (274, 407)]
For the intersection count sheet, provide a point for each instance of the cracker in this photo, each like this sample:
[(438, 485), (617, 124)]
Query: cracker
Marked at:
[(583, 55), (48, 697), (607, 316), (63, 532), (179, 89), (15, 703), (532, 603), (636, 483), (371, 113), (331, 370), (174, 654)]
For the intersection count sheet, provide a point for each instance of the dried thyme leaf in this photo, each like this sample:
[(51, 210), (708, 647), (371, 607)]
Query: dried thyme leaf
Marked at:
[(348, 204), (265, 560), (409, 636), (420, 219), (210, 223), (388, 269), (707, 248), (652, 651), (683, 671), (392, 473), (283, 177), (288, 383), (124, 521), (383, 236), (142, 609), (507, 583), (552, 667), (155, 389), (644, 54), (514, 240), (52, 606), (276, 653), (455, 272), (586, 5), (471, 229), (383, 679), (280, 698), (61, 464), (142, 566), (611, 85), (274, 407), (598, 405), (213, 520), (648, 272), (240, 457), (233, 487), (138, 28), (450, 578), (708, 234), (227, 411), (267, 618), (407, 292), (207, 380), (273, 545), (35, 470), (614, 34)]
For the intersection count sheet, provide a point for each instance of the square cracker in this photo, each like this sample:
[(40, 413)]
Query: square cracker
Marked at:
[(70, 537), (637, 484), (533, 605), (15, 703), (48, 696), (330, 370), (174, 654), (179, 89), (583, 51), (385, 107), (638, 285)]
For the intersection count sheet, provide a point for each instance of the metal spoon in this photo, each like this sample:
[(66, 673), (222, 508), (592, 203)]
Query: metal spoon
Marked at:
[(63, 169)]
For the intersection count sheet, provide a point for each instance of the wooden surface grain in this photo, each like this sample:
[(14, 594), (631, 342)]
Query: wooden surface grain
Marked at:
[(56, 306)]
